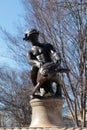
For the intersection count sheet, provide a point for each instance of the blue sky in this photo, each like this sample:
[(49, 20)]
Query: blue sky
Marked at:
[(11, 12)]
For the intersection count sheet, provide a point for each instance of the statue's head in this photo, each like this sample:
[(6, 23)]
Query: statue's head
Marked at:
[(30, 34)]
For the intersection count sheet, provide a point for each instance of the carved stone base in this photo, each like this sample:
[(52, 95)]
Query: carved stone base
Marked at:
[(46, 112)]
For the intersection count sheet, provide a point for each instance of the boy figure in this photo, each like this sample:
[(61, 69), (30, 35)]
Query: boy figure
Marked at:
[(39, 54)]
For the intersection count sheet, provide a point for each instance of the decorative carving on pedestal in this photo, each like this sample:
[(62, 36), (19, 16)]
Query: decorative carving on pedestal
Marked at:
[(46, 112)]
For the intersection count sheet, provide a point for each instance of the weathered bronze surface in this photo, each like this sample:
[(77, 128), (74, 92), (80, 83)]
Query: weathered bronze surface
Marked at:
[(39, 55)]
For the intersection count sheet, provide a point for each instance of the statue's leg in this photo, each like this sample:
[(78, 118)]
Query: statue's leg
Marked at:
[(36, 88), (58, 90), (33, 74), (47, 86)]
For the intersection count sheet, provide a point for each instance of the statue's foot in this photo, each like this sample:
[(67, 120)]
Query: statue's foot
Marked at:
[(36, 96), (31, 97)]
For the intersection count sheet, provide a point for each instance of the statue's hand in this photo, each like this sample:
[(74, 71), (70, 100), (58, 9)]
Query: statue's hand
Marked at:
[(39, 64), (58, 62), (35, 63)]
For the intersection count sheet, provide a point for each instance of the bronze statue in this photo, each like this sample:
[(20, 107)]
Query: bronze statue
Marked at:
[(41, 56)]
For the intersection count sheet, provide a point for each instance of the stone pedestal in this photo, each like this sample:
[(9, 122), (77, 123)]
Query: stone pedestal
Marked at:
[(46, 112)]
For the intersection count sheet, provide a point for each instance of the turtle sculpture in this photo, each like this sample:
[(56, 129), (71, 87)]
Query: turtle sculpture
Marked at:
[(49, 72)]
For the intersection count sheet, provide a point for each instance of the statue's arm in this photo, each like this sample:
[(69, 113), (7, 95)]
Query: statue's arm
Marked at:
[(56, 56), (32, 60)]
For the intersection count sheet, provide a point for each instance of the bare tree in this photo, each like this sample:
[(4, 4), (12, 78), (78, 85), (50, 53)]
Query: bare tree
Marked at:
[(14, 96), (63, 24)]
